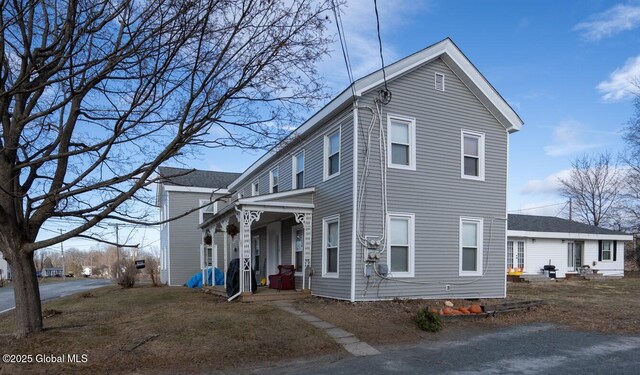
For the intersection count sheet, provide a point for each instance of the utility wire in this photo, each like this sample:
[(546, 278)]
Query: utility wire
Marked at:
[(535, 208), (343, 45), (384, 73)]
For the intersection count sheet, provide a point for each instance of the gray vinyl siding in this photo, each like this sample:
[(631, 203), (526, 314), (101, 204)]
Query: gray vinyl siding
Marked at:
[(164, 242), (435, 191), (185, 236)]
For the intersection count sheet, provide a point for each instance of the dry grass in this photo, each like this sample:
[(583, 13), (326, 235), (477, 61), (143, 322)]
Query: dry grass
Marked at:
[(161, 330), (606, 306), (178, 330)]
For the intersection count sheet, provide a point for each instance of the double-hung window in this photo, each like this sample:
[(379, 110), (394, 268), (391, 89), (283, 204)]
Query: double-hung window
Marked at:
[(470, 246), (607, 250), (274, 180), (400, 244), (330, 246), (208, 211), (472, 155), (255, 188), (298, 171), (332, 154), (401, 142)]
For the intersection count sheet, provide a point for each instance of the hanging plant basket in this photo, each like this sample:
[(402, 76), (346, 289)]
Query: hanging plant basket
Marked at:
[(232, 230), (207, 237)]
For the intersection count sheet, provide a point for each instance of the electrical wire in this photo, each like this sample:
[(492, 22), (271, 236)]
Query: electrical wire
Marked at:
[(343, 45), (384, 74)]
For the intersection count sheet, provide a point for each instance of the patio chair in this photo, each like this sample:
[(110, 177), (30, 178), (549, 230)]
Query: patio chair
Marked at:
[(284, 279)]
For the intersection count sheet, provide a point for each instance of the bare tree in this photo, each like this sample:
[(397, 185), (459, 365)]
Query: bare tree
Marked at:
[(593, 186), (631, 159), (95, 95)]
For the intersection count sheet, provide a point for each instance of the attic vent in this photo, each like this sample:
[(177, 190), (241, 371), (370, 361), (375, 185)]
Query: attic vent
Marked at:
[(439, 81)]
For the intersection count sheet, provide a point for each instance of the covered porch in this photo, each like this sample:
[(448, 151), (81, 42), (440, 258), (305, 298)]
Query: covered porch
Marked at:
[(263, 232)]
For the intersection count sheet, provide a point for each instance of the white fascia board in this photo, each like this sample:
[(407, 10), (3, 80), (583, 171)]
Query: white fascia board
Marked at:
[(300, 208), (195, 189), (568, 236), (158, 193), (273, 196), (448, 48)]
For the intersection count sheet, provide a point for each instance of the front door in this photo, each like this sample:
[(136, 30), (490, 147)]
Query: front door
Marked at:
[(273, 248), (571, 256), (515, 254), (578, 253)]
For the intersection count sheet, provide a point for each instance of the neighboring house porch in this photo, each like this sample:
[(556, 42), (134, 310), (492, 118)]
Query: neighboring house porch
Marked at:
[(274, 229)]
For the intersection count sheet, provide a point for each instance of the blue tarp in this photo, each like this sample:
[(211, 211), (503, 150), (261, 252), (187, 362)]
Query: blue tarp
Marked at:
[(196, 280)]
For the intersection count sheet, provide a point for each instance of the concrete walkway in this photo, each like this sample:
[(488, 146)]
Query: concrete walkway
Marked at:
[(349, 342)]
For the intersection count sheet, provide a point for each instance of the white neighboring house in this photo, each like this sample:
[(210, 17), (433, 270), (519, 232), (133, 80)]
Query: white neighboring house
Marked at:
[(536, 241)]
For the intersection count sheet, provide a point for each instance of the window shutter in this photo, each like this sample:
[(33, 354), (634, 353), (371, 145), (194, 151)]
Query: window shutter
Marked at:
[(615, 250), (599, 250)]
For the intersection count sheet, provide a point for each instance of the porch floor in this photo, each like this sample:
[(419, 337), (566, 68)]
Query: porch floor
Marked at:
[(262, 294)]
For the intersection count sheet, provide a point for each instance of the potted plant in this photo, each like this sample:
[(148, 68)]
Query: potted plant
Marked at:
[(232, 230), (207, 237)]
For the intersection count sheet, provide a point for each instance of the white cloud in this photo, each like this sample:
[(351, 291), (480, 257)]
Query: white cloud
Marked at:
[(613, 21), (547, 185), (568, 138), (359, 22), (623, 82)]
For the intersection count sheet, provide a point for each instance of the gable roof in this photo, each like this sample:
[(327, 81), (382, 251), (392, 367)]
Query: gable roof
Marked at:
[(448, 52), (196, 178), (531, 223)]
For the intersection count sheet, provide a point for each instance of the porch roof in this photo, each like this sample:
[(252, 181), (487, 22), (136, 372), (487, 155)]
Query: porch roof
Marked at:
[(298, 200)]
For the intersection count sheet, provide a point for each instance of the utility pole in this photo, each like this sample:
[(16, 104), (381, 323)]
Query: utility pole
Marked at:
[(570, 209), (64, 274)]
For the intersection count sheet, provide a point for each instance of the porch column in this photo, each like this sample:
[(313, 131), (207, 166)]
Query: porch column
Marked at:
[(305, 220), (247, 217), (223, 226)]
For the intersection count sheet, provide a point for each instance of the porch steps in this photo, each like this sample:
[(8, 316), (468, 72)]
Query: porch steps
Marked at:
[(268, 295), (529, 279)]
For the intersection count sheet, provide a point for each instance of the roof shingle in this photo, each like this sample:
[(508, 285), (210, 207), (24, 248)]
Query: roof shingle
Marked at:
[(196, 177), (530, 223)]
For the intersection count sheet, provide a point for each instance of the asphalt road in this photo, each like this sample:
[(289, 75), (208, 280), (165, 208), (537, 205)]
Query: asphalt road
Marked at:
[(524, 350), (52, 290)]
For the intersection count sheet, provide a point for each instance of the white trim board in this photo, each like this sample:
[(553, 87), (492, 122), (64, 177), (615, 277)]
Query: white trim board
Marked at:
[(568, 236)]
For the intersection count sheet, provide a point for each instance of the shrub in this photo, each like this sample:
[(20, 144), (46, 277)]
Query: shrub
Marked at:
[(126, 277), (428, 321), (152, 267)]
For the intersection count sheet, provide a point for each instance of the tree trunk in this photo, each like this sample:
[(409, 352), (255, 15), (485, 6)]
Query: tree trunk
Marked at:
[(27, 294)]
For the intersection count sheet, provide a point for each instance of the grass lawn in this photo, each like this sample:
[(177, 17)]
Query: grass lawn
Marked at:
[(161, 330), (179, 330)]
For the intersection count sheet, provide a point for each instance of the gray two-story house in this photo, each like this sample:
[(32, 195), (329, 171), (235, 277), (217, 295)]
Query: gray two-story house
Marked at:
[(181, 248), (397, 188)]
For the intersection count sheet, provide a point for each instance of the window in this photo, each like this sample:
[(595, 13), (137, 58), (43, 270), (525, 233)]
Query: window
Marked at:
[(470, 247), (298, 246), (206, 212), (606, 250), (332, 155), (255, 247), (255, 188), (472, 155), (298, 171), (400, 245), (330, 246), (274, 180), (439, 81), (401, 142), (509, 255)]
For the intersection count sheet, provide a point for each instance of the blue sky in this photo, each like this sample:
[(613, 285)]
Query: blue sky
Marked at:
[(564, 66)]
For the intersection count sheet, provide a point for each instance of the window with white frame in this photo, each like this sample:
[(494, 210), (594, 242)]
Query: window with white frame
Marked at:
[(607, 250), (255, 188), (330, 246), (298, 246), (401, 142), (470, 246), (206, 212), (472, 155), (332, 154), (298, 171), (400, 244), (274, 180)]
